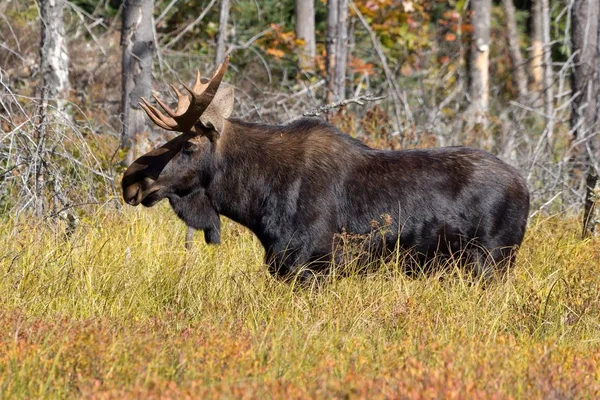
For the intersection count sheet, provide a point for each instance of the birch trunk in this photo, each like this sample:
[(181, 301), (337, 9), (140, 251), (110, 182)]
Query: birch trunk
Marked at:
[(331, 46), (305, 30), (537, 48), (479, 52), (54, 66), (54, 56), (222, 38), (341, 53)]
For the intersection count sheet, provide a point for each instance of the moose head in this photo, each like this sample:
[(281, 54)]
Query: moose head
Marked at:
[(169, 170)]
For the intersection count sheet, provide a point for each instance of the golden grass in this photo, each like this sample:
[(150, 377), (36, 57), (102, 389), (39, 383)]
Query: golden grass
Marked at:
[(118, 309)]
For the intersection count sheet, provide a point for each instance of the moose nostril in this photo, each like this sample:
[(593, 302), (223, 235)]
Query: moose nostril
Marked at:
[(133, 194), (138, 196), (134, 198)]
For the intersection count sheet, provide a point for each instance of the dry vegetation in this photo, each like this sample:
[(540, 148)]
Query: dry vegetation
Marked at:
[(118, 309)]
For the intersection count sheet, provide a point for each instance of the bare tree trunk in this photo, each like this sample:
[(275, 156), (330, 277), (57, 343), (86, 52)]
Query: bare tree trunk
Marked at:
[(519, 77), (54, 56), (222, 38), (331, 46), (585, 84), (479, 52), (341, 53), (584, 80), (54, 66), (219, 58), (591, 215), (537, 48), (138, 47), (548, 75), (305, 30)]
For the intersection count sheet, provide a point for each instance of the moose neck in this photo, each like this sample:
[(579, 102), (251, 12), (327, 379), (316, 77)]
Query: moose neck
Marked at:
[(254, 163)]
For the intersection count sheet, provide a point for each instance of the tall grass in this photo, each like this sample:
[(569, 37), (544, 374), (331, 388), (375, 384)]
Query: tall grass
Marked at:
[(117, 308)]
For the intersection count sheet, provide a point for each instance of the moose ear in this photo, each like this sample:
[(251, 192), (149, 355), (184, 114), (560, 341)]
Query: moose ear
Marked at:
[(223, 101), (220, 108)]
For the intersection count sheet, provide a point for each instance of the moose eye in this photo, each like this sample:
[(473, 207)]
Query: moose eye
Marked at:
[(189, 148)]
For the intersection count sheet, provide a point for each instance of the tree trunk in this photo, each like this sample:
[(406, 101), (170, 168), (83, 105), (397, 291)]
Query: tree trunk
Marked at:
[(54, 56), (537, 48), (222, 38), (585, 84), (138, 47), (519, 77), (331, 46), (479, 51), (548, 75), (341, 53), (189, 238), (54, 66), (305, 30), (219, 58), (584, 80), (591, 209)]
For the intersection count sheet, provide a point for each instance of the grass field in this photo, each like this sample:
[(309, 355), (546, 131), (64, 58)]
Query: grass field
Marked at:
[(118, 309)]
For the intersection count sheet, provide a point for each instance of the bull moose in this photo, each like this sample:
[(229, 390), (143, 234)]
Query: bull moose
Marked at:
[(302, 186)]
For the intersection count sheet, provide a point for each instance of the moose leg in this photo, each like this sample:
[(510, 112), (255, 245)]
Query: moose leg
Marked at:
[(504, 258), (488, 264), (288, 264), (479, 262), (302, 262), (189, 237), (301, 254)]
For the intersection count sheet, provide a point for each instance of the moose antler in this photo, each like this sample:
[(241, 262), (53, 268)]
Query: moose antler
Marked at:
[(189, 109)]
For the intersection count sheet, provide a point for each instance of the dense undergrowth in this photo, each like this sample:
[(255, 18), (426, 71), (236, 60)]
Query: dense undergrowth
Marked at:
[(117, 308)]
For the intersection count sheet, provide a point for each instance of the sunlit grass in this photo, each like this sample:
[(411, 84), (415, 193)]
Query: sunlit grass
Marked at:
[(118, 309)]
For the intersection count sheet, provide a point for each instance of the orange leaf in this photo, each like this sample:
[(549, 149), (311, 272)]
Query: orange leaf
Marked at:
[(406, 70), (276, 53), (467, 28), (450, 37), (358, 65)]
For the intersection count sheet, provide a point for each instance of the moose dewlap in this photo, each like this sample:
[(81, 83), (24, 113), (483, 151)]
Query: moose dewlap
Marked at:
[(303, 188)]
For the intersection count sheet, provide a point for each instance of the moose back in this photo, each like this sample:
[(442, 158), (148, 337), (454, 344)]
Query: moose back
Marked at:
[(303, 186)]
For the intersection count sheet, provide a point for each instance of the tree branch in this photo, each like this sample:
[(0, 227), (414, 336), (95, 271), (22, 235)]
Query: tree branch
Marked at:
[(361, 100)]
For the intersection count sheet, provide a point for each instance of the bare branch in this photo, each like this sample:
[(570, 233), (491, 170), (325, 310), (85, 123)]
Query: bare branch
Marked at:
[(190, 26), (361, 100)]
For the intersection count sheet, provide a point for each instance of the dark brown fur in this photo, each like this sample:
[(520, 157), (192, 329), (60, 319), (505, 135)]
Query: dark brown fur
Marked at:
[(298, 186)]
